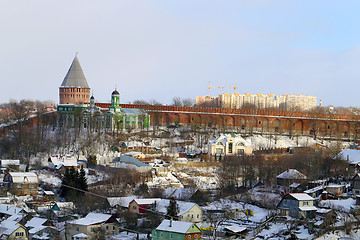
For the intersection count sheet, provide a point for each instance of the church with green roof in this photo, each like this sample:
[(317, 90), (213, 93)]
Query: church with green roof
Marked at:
[(77, 108)]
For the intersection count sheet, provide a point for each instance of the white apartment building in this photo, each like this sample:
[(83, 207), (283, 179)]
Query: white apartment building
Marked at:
[(263, 101)]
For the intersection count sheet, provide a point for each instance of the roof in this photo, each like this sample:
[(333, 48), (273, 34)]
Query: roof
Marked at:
[(23, 177), (184, 207), (352, 155), (176, 226), (91, 219), (236, 228), (7, 227), (236, 140), (115, 92), (81, 235), (7, 162), (35, 221), (301, 196), (131, 160), (9, 209), (67, 161), (121, 201), (291, 174), (75, 76), (147, 200), (133, 111), (312, 208)]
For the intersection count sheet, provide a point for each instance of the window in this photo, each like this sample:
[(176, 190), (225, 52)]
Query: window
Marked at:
[(77, 229), (305, 203), (161, 235), (195, 236), (198, 216), (19, 234), (192, 215), (171, 235), (189, 237), (91, 229)]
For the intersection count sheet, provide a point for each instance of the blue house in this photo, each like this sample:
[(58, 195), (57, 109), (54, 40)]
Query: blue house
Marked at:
[(297, 205)]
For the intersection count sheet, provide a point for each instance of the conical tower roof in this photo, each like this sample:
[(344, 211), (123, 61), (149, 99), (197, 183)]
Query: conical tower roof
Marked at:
[(75, 76)]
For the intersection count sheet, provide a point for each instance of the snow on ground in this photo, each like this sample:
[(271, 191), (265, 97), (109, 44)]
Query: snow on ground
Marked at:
[(341, 205), (97, 177), (274, 228), (355, 234), (49, 178), (259, 214), (165, 180), (128, 236)]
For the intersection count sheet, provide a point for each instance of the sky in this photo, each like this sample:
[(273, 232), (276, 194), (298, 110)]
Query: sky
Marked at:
[(162, 49)]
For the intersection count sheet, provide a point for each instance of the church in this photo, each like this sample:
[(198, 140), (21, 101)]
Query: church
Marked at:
[(77, 109)]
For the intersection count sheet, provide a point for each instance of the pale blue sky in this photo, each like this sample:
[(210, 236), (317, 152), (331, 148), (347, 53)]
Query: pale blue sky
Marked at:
[(161, 49)]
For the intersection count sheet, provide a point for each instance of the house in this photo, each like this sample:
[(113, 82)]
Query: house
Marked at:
[(139, 206), (125, 161), (7, 211), (118, 202), (188, 211), (90, 224), (176, 230), (227, 145), (22, 183), (355, 184), (290, 176), (57, 161), (353, 157), (39, 228), (312, 149), (10, 229), (135, 154), (297, 205), (12, 165), (237, 231), (335, 189)]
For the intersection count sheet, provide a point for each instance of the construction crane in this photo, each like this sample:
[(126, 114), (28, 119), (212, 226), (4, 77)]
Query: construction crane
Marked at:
[(210, 87)]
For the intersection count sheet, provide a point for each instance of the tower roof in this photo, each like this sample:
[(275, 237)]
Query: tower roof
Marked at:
[(75, 76)]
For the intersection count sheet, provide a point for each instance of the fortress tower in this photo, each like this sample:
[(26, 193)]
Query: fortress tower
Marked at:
[(74, 89)]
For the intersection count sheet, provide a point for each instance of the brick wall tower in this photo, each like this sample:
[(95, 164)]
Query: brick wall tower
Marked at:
[(74, 89)]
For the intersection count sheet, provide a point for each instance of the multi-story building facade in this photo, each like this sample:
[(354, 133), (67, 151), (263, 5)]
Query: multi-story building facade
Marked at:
[(266, 101)]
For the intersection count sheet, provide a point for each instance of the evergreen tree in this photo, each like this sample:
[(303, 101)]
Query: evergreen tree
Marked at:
[(71, 182), (172, 210), (82, 180)]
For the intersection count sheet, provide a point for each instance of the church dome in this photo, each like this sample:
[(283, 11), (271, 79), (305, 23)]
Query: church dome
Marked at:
[(115, 92)]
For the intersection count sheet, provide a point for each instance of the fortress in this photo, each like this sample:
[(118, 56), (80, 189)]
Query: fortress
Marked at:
[(75, 91)]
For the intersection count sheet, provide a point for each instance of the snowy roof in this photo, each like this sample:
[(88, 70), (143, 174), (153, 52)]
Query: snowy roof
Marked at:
[(236, 228), (35, 221), (80, 235), (7, 162), (184, 207), (291, 174), (223, 138), (68, 205), (147, 200), (7, 227), (315, 189), (352, 155), (23, 177), (67, 161), (121, 201), (9, 209), (301, 196), (36, 224), (49, 192), (91, 219), (176, 226), (75, 76), (131, 160), (311, 208)]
